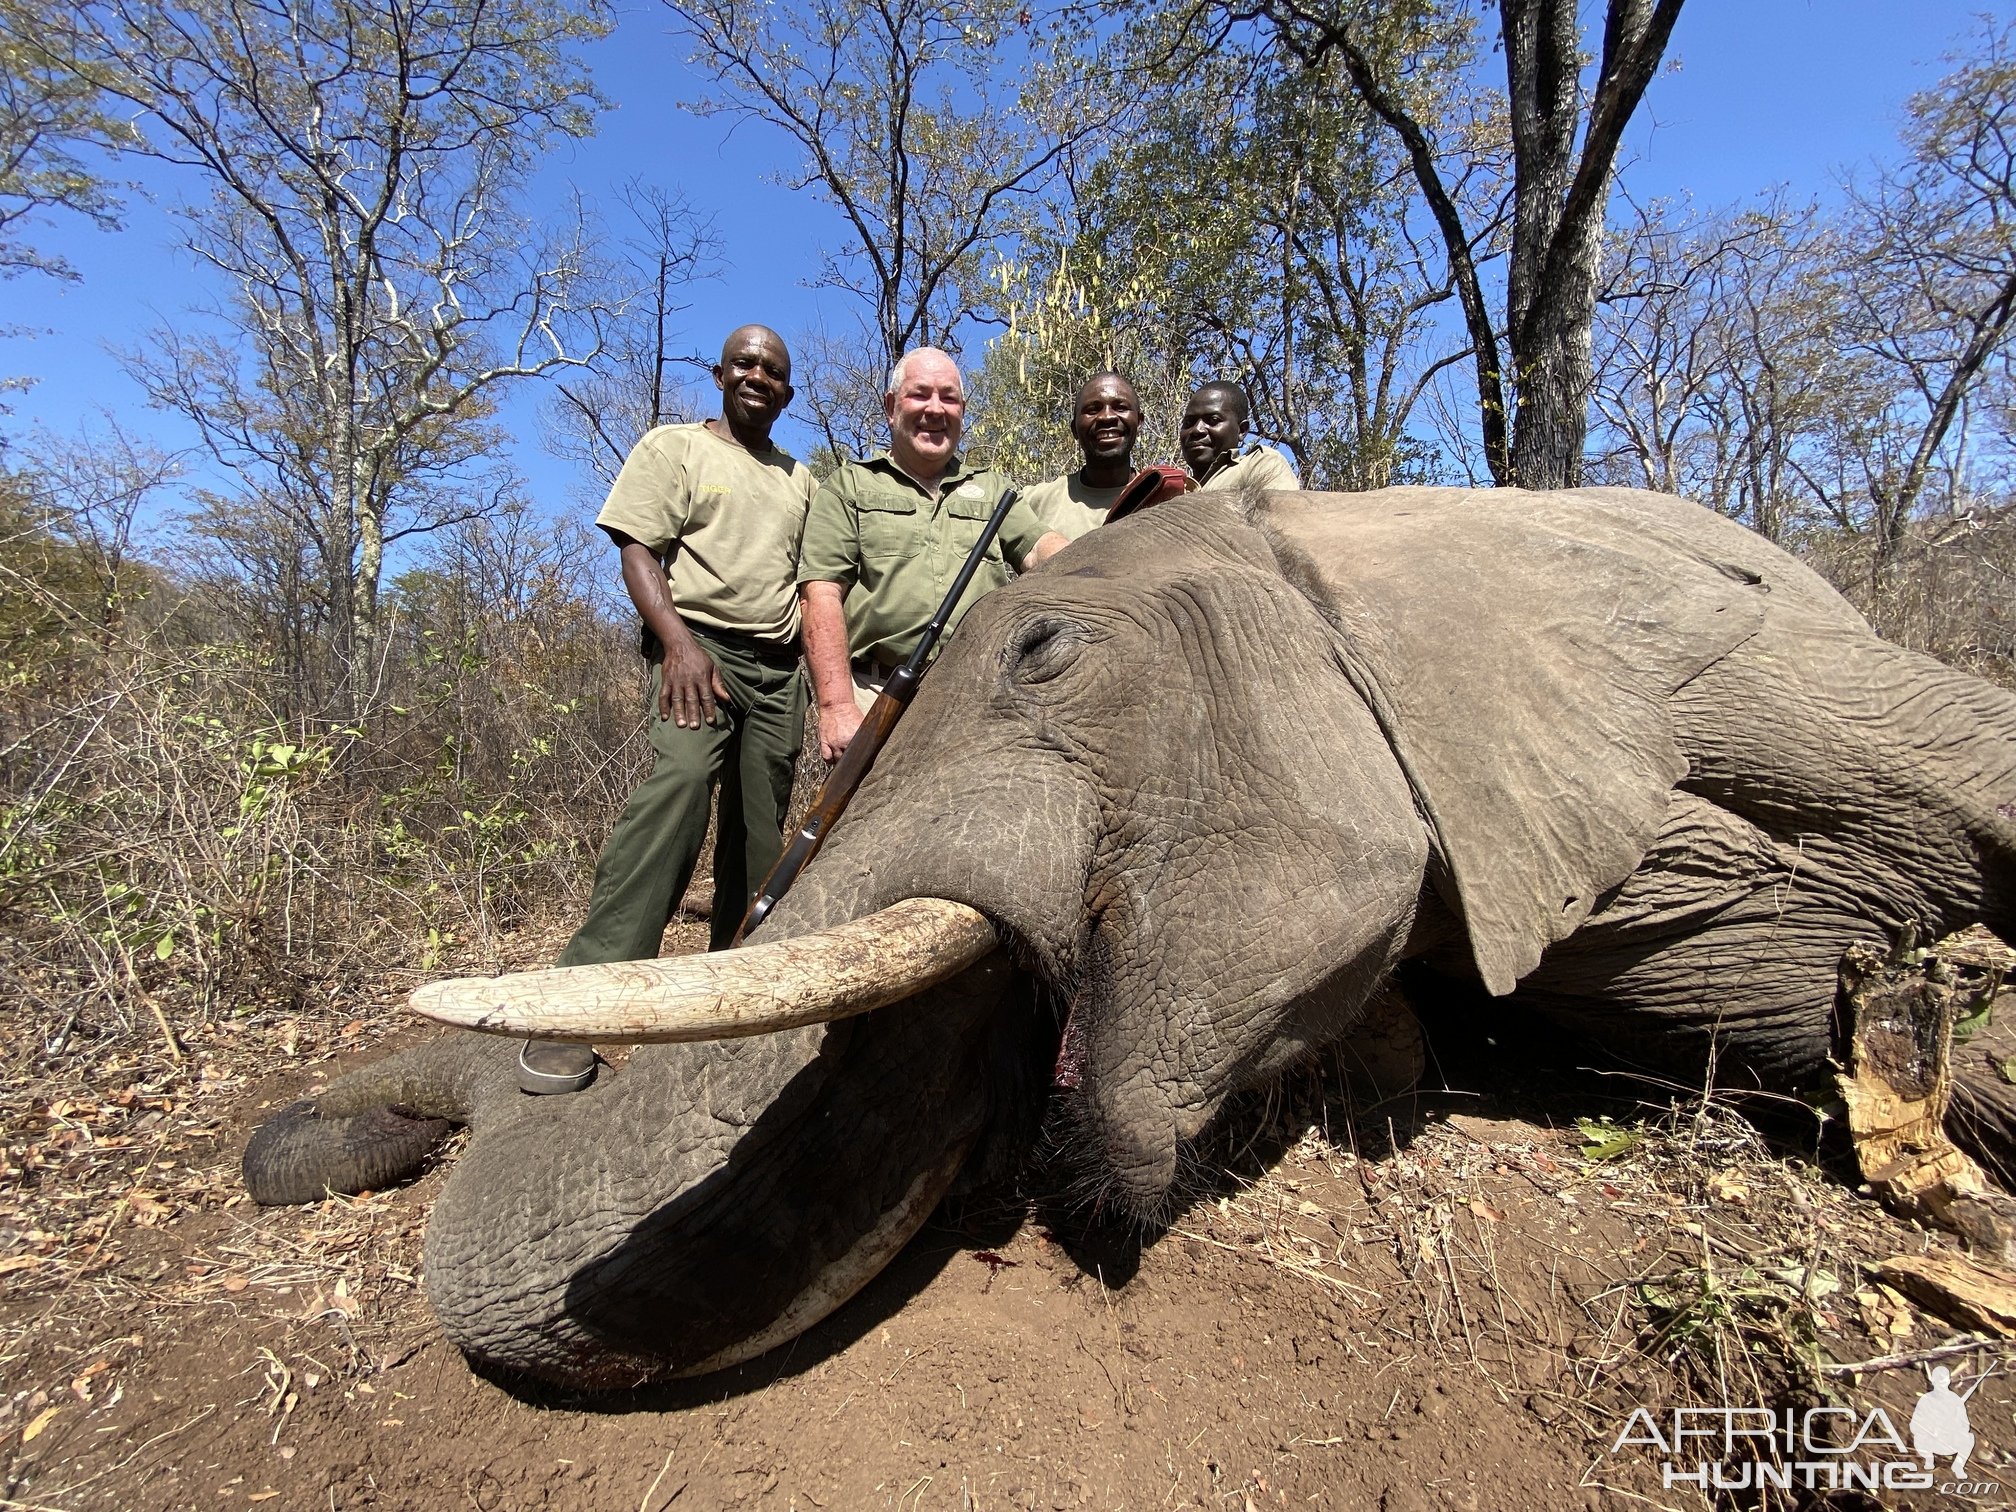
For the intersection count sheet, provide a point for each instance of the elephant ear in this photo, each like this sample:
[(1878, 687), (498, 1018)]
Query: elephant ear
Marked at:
[(1520, 650)]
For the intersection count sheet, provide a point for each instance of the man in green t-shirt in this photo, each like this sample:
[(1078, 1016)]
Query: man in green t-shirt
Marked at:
[(886, 537), (708, 519), (1211, 437), (1104, 423)]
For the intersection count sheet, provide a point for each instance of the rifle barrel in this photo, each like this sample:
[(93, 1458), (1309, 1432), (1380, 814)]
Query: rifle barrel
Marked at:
[(876, 727)]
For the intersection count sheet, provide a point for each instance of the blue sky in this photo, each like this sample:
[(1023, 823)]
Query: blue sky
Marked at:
[(1760, 92)]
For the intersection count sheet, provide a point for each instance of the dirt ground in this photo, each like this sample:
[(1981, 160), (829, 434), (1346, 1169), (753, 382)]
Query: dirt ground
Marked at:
[(1452, 1301)]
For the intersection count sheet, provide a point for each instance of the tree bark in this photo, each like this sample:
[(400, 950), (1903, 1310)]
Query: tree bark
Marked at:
[(1559, 204), (1559, 198)]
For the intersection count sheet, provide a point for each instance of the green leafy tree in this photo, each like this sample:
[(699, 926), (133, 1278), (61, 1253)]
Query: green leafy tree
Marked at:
[(53, 125), (1260, 225)]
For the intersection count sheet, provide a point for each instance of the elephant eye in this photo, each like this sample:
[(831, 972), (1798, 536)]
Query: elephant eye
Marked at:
[(1043, 648)]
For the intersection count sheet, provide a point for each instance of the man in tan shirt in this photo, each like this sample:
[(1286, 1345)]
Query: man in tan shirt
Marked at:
[(1104, 423), (886, 538), (1212, 435), (708, 519)]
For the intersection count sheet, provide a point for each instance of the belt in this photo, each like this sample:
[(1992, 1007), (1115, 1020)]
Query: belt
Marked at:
[(769, 649)]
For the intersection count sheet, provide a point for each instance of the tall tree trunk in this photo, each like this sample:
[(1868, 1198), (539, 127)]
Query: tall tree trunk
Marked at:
[(1559, 196), (1559, 201), (364, 594), (1553, 360)]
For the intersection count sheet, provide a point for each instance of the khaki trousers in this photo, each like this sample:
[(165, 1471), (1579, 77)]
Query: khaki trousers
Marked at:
[(749, 754)]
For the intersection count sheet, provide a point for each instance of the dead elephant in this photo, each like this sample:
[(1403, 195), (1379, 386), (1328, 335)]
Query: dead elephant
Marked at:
[(1195, 788)]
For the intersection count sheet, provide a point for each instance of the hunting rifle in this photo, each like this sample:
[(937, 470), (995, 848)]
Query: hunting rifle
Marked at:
[(1150, 486)]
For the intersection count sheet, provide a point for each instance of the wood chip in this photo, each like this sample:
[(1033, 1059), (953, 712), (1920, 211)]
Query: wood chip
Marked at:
[(1897, 1085), (1974, 1295)]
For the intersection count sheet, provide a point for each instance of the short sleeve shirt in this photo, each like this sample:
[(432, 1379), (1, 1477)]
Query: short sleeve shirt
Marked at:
[(1071, 506), (1261, 467), (727, 521), (894, 549)]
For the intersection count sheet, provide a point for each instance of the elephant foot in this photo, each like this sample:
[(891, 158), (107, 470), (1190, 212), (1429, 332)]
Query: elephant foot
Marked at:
[(303, 1154)]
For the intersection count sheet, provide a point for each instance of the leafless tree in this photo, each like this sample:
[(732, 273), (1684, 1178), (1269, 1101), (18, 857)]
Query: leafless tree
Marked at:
[(362, 162), (929, 125), (648, 373), (93, 487), (1929, 300), (1716, 368)]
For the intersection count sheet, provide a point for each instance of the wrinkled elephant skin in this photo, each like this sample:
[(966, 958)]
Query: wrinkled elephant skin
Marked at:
[(1213, 772)]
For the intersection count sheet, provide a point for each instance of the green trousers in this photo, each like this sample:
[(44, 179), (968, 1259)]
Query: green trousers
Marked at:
[(749, 754)]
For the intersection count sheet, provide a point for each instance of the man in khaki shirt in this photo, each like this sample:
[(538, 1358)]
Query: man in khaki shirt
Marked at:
[(708, 519), (1104, 422), (1213, 430), (886, 537)]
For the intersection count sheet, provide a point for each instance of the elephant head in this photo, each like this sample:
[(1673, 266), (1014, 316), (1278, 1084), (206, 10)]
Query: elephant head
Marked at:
[(1187, 794)]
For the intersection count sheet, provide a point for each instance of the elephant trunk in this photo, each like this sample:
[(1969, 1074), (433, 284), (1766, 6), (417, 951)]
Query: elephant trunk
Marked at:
[(711, 1200), (377, 1127)]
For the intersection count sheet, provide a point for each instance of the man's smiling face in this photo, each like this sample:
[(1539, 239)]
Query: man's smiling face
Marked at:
[(926, 414), (754, 376), (1213, 424), (1107, 420)]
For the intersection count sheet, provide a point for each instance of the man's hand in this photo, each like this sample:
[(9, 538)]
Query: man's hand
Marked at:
[(837, 724), (689, 685), (1048, 545)]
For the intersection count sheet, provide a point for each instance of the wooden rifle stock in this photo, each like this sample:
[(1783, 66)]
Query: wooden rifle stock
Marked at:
[(876, 727)]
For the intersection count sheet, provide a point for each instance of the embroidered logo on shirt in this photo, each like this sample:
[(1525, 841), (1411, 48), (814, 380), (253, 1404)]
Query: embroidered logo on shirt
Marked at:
[(970, 490)]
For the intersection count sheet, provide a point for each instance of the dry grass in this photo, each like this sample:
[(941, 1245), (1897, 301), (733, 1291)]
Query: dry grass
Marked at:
[(1951, 591), (1666, 1259)]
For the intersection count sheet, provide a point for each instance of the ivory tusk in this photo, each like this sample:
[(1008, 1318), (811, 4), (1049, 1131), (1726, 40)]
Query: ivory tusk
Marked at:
[(835, 973)]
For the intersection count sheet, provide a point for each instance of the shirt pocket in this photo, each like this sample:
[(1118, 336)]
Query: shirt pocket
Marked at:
[(968, 515), (888, 528)]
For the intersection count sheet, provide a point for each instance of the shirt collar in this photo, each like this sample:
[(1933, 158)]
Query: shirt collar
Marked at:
[(956, 471)]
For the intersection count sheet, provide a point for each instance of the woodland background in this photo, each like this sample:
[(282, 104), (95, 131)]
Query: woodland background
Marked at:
[(327, 697)]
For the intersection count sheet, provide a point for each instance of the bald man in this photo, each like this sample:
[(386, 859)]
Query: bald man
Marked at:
[(708, 519), (1213, 440), (886, 539), (1105, 419)]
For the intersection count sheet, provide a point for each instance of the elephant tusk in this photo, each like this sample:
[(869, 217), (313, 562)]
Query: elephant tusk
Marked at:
[(834, 973)]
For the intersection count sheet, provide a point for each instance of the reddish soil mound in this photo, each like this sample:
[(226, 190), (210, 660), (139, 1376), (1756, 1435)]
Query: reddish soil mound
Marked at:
[(1455, 1302)]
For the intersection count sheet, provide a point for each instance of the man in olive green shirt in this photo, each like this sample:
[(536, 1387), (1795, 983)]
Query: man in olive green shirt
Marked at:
[(1213, 430), (708, 519), (886, 537), (1104, 422)]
